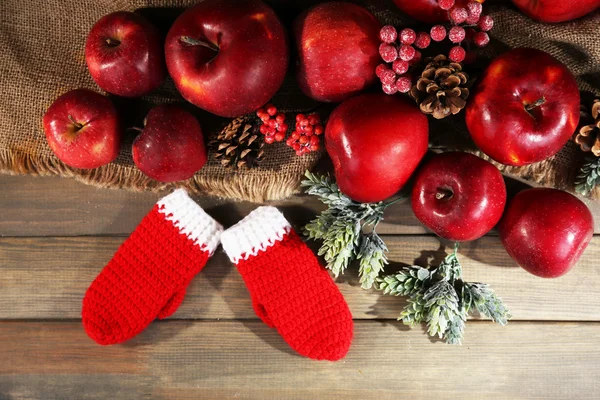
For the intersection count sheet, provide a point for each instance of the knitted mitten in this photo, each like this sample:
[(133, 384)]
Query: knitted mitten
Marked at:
[(149, 273), (290, 290)]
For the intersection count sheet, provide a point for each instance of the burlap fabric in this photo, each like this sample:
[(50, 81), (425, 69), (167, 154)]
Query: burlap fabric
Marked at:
[(42, 56)]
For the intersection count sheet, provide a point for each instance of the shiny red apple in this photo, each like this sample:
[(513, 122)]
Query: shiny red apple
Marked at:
[(546, 230), (375, 142), (124, 53), (524, 108), (459, 196), (427, 10), (337, 49), (228, 57), (171, 145), (556, 10), (82, 129)]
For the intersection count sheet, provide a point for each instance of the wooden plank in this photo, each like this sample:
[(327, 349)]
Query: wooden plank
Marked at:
[(47, 277), (52, 206), (214, 360)]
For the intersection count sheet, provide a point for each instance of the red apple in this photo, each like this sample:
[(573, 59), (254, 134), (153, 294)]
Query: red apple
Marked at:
[(338, 50), (428, 10), (171, 145), (459, 196), (124, 53), (546, 230), (226, 56), (524, 108), (556, 10), (82, 129), (375, 142)]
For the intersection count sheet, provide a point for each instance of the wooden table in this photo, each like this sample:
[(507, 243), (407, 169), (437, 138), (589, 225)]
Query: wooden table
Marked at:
[(57, 234)]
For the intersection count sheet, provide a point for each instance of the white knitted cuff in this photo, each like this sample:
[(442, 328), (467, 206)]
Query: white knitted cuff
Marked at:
[(257, 231), (191, 220)]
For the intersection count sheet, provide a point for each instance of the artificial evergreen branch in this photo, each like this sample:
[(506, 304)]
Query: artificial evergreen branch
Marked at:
[(439, 297), (588, 176)]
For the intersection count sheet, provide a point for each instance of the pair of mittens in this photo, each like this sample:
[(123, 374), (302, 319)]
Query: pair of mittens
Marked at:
[(147, 277)]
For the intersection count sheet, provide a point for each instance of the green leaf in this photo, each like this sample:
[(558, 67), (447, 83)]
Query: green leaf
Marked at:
[(483, 299), (371, 255), (588, 177)]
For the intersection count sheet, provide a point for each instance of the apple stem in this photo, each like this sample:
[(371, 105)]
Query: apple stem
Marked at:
[(444, 194), (535, 104), (78, 125), (112, 42), (135, 128), (198, 42)]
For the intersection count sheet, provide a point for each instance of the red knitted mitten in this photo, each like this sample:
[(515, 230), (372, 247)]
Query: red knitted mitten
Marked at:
[(290, 290), (149, 273)]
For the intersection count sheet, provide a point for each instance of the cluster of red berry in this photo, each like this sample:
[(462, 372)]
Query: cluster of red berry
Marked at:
[(304, 138), (405, 54)]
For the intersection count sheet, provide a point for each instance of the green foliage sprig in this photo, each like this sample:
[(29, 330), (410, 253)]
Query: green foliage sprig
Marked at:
[(347, 229), (588, 177), (439, 297)]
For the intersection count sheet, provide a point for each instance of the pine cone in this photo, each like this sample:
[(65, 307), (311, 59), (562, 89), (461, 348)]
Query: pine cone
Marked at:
[(588, 137), (441, 90), (239, 144)]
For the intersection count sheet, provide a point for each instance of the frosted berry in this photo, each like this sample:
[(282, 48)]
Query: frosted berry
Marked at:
[(407, 36), (417, 58), (481, 39), (400, 67), (470, 57), (457, 54), (388, 77), (403, 84), (486, 23), (472, 20), (271, 110), (446, 4), (458, 15), (474, 8), (423, 40), (438, 33), (388, 52), (389, 89), (456, 34), (379, 70), (406, 52), (388, 34)]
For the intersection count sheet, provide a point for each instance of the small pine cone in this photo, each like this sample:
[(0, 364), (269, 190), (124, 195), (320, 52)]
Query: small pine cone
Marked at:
[(441, 89), (239, 145), (588, 136)]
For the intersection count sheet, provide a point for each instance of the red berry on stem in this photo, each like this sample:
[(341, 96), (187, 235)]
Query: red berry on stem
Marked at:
[(459, 15), (388, 34), (406, 52), (457, 54), (423, 40), (300, 117), (265, 118), (438, 33), (407, 36), (272, 123), (279, 136), (269, 139), (380, 68), (271, 110), (400, 66), (314, 140), (263, 129), (446, 4), (403, 84), (260, 112), (283, 128), (280, 118), (303, 140), (388, 77), (295, 135), (486, 23), (457, 34), (314, 119), (481, 39), (474, 8), (417, 58), (388, 52), (390, 89), (472, 19), (319, 130), (308, 131)]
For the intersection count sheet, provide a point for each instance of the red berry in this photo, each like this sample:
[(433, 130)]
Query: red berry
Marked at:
[(457, 34), (319, 130), (406, 52), (271, 110), (469, 34), (272, 123), (400, 67), (457, 54), (470, 57), (423, 40), (380, 68), (314, 140), (458, 15), (388, 34), (308, 131), (289, 141), (481, 39), (389, 89), (407, 36), (295, 135), (280, 118), (388, 52), (265, 118), (472, 20), (388, 77), (269, 139), (271, 131), (438, 33), (296, 146), (260, 112), (474, 9), (417, 58), (446, 4), (283, 128), (279, 136), (403, 84), (486, 23), (303, 140), (300, 117), (314, 119), (314, 147), (263, 129)]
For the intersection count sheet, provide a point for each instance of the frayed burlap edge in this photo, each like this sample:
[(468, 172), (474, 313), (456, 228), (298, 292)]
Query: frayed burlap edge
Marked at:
[(257, 189)]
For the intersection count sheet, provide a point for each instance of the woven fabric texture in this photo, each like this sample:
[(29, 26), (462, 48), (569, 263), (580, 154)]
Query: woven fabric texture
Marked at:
[(290, 290), (148, 275), (42, 56)]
